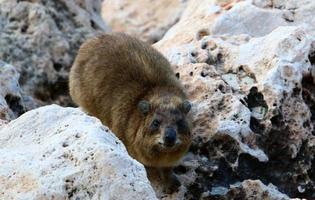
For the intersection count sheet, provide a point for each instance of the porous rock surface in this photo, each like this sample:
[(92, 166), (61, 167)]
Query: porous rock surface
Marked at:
[(249, 189), (61, 153), (146, 19), (13, 102), (249, 70), (248, 67), (41, 38)]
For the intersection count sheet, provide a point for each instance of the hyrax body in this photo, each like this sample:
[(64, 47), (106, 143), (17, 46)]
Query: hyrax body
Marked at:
[(131, 88)]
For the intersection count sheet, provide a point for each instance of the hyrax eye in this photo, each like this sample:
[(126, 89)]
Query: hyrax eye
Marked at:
[(181, 124), (155, 124)]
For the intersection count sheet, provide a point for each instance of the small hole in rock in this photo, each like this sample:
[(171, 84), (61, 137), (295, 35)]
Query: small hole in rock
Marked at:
[(306, 124), (24, 28), (177, 75), (255, 99), (180, 169), (219, 57), (93, 25), (57, 66), (203, 74), (204, 45), (311, 57), (221, 88), (296, 91)]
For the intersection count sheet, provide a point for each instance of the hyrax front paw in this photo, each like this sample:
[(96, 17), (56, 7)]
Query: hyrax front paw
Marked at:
[(171, 185)]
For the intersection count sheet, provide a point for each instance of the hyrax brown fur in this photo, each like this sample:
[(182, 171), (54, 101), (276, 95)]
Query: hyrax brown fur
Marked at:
[(131, 88)]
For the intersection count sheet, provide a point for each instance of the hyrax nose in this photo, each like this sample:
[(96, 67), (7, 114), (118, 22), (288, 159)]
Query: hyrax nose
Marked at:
[(170, 137)]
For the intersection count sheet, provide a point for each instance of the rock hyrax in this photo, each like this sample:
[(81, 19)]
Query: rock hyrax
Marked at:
[(131, 88)]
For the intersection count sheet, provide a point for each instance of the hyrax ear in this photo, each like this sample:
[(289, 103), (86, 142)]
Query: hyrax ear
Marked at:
[(144, 106), (186, 106)]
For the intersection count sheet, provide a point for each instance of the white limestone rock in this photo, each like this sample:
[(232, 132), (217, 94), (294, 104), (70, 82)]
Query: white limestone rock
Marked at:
[(278, 62), (146, 19), (260, 17), (252, 89), (245, 18), (61, 153)]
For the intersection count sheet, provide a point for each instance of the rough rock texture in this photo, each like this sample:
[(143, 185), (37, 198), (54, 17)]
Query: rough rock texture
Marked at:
[(249, 71), (248, 67), (146, 19), (61, 153), (260, 17), (13, 102), (194, 23), (248, 189), (40, 38)]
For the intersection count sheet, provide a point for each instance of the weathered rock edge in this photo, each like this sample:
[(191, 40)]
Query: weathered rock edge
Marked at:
[(61, 153)]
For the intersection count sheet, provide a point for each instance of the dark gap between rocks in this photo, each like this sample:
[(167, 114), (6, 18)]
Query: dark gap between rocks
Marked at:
[(54, 91), (311, 57), (308, 94), (15, 104)]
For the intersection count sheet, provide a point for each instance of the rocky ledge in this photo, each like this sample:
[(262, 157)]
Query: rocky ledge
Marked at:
[(249, 70), (61, 153)]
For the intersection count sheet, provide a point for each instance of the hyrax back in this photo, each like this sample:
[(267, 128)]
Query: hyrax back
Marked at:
[(131, 88)]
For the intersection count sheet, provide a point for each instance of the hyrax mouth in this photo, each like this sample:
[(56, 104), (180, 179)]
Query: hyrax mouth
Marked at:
[(169, 141)]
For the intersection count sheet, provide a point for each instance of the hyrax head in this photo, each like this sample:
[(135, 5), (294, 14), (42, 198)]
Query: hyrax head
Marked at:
[(166, 126)]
